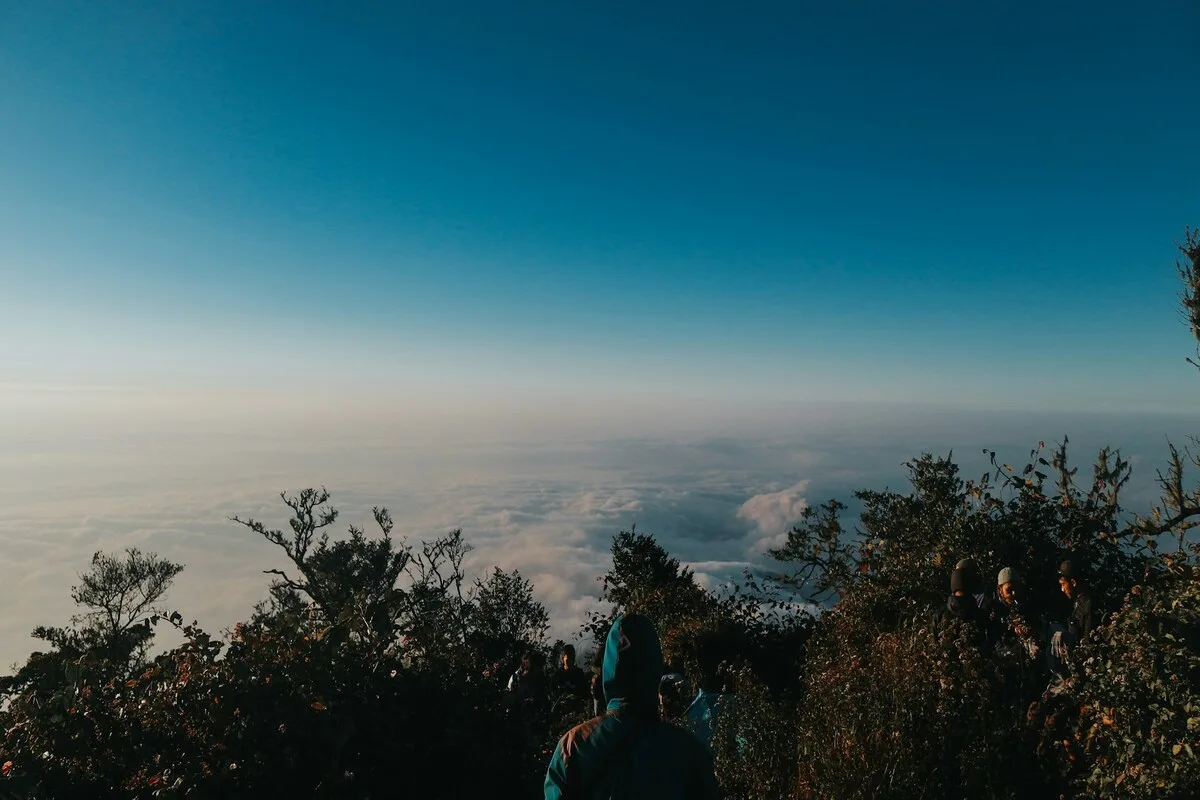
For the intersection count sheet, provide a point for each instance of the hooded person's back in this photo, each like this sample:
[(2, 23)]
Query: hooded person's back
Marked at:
[(628, 753)]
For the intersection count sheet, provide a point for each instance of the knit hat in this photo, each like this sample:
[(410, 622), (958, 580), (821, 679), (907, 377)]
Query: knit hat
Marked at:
[(971, 582), (1007, 575), (958, 581), (1068, 569)]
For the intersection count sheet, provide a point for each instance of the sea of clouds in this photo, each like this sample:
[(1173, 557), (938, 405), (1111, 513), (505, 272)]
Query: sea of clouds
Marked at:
[(545, 504)]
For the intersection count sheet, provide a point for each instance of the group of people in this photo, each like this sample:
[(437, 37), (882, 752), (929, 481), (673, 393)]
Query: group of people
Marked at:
[(1011, 623), (566, 687), (628, 749), (567, 690)]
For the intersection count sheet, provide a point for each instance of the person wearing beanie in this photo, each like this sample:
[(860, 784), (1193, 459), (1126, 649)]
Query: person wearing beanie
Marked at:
[(1015, 616), (1010, 589), (961, 605), (973, 584), (959, 582), (1006, 585)]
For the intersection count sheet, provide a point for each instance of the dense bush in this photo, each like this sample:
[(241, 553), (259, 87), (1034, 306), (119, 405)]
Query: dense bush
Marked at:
[(361, 671), (1139, 726), (918, 712), (755, 743)]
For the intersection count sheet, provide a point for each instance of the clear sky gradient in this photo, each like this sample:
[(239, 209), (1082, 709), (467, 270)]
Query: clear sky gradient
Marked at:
[(970, 204)]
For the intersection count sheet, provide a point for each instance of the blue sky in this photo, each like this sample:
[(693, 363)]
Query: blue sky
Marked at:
[(965, 204)]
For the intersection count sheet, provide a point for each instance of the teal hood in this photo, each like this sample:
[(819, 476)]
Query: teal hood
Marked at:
[(633, 663)]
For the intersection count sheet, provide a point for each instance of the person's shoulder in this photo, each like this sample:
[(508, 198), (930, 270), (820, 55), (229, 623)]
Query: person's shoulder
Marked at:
[(580, 734)]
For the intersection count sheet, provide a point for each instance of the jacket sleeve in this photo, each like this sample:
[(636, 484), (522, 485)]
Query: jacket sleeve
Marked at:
[(555, 785), (1085, 617)]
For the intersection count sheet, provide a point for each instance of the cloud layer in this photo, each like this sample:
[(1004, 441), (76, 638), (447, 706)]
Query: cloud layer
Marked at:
[(548, 508)]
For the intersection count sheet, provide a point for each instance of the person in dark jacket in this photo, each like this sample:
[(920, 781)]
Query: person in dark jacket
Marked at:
[(629, 752), (1082, 618), (569, 686), (527, 686), (961, 604), (973, 584)]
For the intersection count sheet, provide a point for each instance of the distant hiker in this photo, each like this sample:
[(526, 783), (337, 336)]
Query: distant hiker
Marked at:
[(1019, 621), (973, 584), (701, 716), (1082, 616), (528, 684), (961, 604), (629, 752), (1076, 621), (1006, 587), (568, 684), (1010, 589)]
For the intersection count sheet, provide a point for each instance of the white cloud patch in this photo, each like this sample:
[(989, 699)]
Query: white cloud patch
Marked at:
[(774, 513)]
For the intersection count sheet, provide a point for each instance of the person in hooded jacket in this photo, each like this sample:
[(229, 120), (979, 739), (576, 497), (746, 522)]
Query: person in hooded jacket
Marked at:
[(962, 605), (629, 753), (973, 584)]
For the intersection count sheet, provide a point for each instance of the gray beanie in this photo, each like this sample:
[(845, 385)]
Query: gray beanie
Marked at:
[(1007, 575)]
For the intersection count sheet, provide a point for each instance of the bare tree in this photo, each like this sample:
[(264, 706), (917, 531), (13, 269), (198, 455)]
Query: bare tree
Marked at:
[(121, 593)]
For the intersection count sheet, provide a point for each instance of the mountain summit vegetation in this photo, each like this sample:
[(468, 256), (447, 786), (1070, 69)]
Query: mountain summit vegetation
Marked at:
[(376, 667)]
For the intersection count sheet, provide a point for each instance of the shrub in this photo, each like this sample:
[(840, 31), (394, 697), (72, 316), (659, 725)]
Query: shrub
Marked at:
[(915, 712), (1139, 694)]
